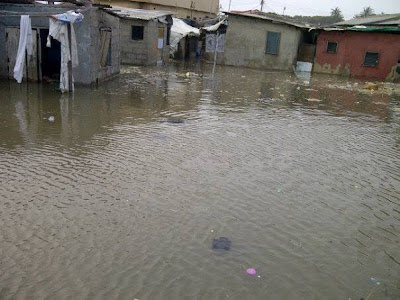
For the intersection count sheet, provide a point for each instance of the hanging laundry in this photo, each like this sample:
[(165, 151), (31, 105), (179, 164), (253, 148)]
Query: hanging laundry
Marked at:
[(25, 45), (69, 17), (59, 31)]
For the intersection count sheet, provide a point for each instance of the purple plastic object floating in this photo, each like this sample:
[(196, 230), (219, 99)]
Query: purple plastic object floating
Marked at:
[(251, 271)]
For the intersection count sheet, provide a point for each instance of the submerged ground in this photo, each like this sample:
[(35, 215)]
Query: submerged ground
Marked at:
[(121, 196)]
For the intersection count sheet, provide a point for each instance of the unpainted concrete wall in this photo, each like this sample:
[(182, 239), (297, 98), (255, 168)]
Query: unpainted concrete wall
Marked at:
[(87, 35), (143, 52), (246, 41), (100, 19), (349, 59)]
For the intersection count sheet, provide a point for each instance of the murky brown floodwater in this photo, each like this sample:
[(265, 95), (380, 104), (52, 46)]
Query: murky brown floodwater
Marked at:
[(121, 196)]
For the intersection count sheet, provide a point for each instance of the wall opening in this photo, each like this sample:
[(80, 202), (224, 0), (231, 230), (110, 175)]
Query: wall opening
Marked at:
[(137, 33), (371, 59), (50, 57), (331, 47), (398, 67), (105, 47)]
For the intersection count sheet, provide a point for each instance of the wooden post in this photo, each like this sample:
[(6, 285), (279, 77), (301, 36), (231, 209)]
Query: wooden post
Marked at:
[(215, 53), (70, 83)]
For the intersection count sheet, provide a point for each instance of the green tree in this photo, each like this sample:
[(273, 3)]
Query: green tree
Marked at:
[(367, 12), (336, 15)]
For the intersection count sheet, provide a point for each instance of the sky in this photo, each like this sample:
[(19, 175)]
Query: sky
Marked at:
[(315, 7)]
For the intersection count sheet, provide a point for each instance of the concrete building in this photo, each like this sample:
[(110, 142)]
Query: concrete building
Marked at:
[(259, 42), (145, 35), (98, 40), (181, 9), (366, 47)]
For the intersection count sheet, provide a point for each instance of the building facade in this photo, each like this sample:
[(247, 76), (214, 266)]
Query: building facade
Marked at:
[(191, 9), (145, 35), (98, 43), (361, 47), (259, 42), (361, 54)]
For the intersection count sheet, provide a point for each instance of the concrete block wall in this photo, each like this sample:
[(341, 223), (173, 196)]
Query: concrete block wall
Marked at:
[(3, 56), (246, 40), (134, 52), (101, 19), (144, 52)]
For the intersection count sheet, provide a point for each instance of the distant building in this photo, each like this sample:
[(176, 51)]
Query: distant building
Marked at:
[(190, 9), (97, 36), (260, 42), (365, 47), (145, 35)]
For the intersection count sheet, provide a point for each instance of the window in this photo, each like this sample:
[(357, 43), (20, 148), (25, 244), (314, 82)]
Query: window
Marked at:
[(137, 33), (273, 41), (371, 59), (331, 47), (105, 47)]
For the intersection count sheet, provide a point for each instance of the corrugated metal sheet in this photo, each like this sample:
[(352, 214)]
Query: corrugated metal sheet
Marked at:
[(137, 14), (393, 19), (267, 19), (365, 28)]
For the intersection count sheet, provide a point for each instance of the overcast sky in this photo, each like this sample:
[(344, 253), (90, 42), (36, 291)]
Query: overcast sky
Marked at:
[(315, 7)]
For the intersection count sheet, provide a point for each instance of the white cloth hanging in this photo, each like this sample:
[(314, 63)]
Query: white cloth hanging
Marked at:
[(59, 31), (25, 45)]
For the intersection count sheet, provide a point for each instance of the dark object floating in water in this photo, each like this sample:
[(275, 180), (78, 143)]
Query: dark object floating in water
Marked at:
[(175, 121), (221, 243)]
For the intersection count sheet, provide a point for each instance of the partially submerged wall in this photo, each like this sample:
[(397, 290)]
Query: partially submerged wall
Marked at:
[(143, 52), (246, 41), (87, 35), (101, 20), (351, 49)]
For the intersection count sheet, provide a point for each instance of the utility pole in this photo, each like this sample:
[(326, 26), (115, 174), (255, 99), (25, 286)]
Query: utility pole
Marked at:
[(230, 2), (262, 5)]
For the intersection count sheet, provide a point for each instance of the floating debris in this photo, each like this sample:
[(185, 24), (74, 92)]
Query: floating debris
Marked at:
[(175, 121), (371, 86), (51, 119), (251, 271), (222, 243)]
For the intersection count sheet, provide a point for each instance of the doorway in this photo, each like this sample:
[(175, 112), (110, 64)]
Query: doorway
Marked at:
[(50, 58)]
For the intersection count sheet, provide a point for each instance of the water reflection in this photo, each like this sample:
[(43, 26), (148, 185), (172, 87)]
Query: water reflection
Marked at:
[(148, 95)]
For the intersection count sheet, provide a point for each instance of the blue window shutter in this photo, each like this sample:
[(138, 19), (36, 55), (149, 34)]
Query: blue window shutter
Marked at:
[(273, 41)]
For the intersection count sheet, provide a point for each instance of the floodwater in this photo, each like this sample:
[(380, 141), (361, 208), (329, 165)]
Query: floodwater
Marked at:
[(121, 196)]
